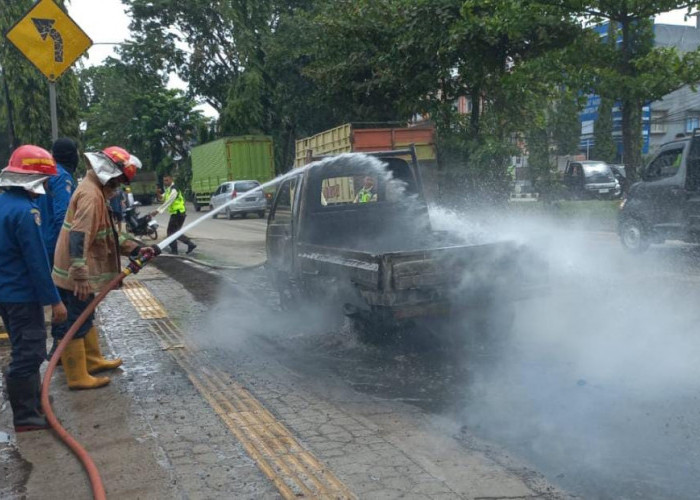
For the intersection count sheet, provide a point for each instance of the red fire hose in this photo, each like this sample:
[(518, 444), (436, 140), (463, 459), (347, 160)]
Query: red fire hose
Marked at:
[(98, 490)]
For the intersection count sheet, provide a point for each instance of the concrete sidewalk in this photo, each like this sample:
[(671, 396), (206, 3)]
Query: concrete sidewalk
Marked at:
[(150, 432)]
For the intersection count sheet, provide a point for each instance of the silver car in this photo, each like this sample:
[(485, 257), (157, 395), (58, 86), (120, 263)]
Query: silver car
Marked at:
[(251, 203)]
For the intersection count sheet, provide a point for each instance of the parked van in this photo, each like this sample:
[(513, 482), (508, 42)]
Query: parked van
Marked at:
[(591, 179), (665, 205)]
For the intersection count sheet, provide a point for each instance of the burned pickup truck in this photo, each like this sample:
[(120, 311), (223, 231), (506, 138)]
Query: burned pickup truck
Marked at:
[(356, 227)]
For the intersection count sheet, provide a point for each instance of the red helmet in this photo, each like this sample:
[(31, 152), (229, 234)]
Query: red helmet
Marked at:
[(29, 159), (122, 159)]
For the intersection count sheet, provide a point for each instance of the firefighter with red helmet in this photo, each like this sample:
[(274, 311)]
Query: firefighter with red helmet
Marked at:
[(25, 280), (88, 257)]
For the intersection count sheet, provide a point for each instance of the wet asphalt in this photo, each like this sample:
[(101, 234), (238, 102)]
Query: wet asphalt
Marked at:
[(595, 386)]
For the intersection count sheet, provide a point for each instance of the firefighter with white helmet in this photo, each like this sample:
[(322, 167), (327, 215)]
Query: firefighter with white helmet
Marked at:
[(25, 280), (88, 257)]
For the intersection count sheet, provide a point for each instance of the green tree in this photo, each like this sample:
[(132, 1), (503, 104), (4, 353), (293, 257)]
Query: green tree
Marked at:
[(631, 70), (126, 106), (605, 148), (24, 107), (565, 124)]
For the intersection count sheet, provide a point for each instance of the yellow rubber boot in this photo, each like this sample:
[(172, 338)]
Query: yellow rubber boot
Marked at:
[(95, 362), (75, 367)]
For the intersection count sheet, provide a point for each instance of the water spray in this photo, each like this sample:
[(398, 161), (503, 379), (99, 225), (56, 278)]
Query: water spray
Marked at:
[(167, 241)]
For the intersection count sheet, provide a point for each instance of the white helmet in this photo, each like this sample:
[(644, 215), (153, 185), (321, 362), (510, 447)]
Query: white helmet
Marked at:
[(103, 166)]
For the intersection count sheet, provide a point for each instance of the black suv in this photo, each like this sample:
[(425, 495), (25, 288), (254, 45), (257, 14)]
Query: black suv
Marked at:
[(665, 205)]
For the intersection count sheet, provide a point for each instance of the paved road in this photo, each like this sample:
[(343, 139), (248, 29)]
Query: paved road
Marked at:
[(595, 387), (237, 242), (593, 392)]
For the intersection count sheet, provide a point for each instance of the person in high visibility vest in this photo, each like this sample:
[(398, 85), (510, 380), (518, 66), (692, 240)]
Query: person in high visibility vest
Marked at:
[(367, 193), (175, 205)]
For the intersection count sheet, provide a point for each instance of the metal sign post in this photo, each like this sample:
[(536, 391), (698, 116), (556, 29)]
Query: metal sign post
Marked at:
[(52, 41), (54, 112)]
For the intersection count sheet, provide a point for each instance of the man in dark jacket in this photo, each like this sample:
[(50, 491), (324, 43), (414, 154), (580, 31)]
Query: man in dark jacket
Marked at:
[(25, 281), (54, 204), (61, 186)]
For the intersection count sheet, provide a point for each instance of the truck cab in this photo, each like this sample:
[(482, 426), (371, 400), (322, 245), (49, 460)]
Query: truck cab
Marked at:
[(665, 204), (377, 253)]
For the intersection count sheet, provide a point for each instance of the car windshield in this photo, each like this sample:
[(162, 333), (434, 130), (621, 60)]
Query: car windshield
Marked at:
[(244, 186), (597, 172)]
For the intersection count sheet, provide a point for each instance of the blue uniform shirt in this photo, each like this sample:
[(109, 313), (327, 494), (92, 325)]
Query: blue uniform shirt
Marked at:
[(25, 275), (53, 207)]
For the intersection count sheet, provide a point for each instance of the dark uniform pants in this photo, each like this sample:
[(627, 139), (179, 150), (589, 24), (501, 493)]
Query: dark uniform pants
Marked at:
[(75, 308), (25, 325), (174, 225)]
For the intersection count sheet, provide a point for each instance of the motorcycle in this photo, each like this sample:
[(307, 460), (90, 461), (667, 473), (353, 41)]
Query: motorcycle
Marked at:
[(140, 225)]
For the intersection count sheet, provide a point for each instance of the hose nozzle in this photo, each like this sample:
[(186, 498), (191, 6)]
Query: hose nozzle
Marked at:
[(137, 262)]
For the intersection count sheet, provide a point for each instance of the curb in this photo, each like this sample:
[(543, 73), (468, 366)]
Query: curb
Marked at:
[(209, 264)]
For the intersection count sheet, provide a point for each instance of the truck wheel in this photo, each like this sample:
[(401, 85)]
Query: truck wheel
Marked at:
[(197, 206), (634, 236)]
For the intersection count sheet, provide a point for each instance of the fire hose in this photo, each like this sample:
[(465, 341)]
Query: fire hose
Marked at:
[(93, 473)]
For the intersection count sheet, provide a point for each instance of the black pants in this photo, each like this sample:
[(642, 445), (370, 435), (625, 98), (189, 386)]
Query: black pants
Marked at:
[(25, 325), (75, 308), (174, 225)]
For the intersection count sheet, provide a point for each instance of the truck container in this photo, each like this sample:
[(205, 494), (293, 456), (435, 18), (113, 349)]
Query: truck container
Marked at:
[(144, 186), (248, 157), (356, 138), (352, 138)]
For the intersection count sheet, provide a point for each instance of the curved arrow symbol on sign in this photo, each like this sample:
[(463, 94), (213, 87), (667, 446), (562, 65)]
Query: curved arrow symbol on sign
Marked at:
[(45, 28)]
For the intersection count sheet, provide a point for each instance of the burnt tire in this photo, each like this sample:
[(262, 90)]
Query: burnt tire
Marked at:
[(634, 236)]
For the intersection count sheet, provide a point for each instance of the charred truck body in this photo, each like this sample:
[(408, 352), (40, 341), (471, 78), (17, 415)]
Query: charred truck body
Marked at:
[(375, 248)]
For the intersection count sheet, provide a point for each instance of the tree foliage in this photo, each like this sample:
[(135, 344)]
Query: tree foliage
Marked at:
[(631, 70), (126, 106), (290, 68), (604, 148)]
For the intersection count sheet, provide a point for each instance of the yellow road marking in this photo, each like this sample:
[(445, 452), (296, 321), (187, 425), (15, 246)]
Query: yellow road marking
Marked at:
[(145, 303), (295, 471)]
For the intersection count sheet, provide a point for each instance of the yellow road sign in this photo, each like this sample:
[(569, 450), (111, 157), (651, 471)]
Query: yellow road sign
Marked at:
[(49, 38)]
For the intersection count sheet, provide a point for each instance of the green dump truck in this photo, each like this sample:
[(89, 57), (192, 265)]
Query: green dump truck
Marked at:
[(144, 186), (248, 157)]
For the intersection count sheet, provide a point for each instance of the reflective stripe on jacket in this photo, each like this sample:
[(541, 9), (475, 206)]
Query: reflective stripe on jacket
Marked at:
[(88, 247)]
